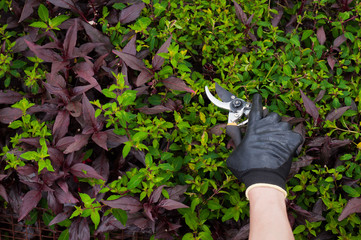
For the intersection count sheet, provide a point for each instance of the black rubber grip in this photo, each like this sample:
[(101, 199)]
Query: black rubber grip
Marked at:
[(234, 132)]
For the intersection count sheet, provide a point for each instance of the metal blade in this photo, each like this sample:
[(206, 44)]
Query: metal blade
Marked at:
[(215, 101), (224, 94)]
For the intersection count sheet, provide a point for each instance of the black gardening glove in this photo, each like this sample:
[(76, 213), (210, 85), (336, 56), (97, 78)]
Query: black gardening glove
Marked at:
[(265, 154)]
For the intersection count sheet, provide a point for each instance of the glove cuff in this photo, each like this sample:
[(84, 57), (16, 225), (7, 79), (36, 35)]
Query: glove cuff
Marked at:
[(266, 185), (263, 175)]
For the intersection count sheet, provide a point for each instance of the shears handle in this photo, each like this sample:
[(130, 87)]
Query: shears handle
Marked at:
[(233, 131)]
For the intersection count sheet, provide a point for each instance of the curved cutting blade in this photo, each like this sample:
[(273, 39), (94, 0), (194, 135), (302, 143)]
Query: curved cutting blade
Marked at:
[(224, 94), (215, 101)]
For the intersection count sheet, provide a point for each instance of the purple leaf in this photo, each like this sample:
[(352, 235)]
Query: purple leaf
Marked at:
[(80, 140), (176, 192), (79, 229), (126, 203), (9, 97), (57, 91), (276, 18), (148, 211), (100, 138), (310, 107), (170, 204), (2, 176), (7, 115), (309, 216), (252, 37), (249, 20), (156, 194), (84, 171), (59, 218), (218, 129), (125, 73), (337, 113), (321, 36), (3, 193), (65, 197), (88, 112), (68, 4), (154, 110), (27, 170), (130, 48), (143, 77), (320, 95), (131, 61), (28, 9), (53, 204), (65, 142), (98, 37), (70, 40), (300, 129), (240, 14), (339, 40), (108, 224), (100, 62), (302, 162), (114, 140), (335, 143), (82, 89), (177, 84), (61, 124), (331, 61), (30, 200), (85, 49), (158, 60), (131, 13), (74, 108), (353, 206), (43, 53), (242, 233), (101, 165)]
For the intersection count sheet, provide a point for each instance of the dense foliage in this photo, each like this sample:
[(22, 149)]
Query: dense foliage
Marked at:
[(105, 123)]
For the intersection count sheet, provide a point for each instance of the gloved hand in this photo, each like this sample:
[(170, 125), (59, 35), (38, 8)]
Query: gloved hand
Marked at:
[(264, 156)]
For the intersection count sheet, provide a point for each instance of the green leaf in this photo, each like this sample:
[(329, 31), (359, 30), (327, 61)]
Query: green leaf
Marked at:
[(39, 25), (33, 217), (16, 124), (205, 236), (214, 204), (30, 155), (306, 34), (188, 236), (95, 217), (229, 214), (191, 220), (299, 229), (287, 70), (311, 188), (350, 36), (43, 13), (297, 188), (58, 20), (64, 235), (135, 181), (351, 191), (346, 157), (108, 93), (126, 149), (120, 215), (119, 6), (139, 136)]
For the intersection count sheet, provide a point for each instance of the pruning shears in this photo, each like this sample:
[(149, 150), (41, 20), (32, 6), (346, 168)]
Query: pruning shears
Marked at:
[(237, 108)]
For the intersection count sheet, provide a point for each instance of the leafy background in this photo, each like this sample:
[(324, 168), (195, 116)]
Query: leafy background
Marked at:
[(106, 125)]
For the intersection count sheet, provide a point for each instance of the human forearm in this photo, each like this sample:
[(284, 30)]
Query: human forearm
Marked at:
[(269, 218)]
